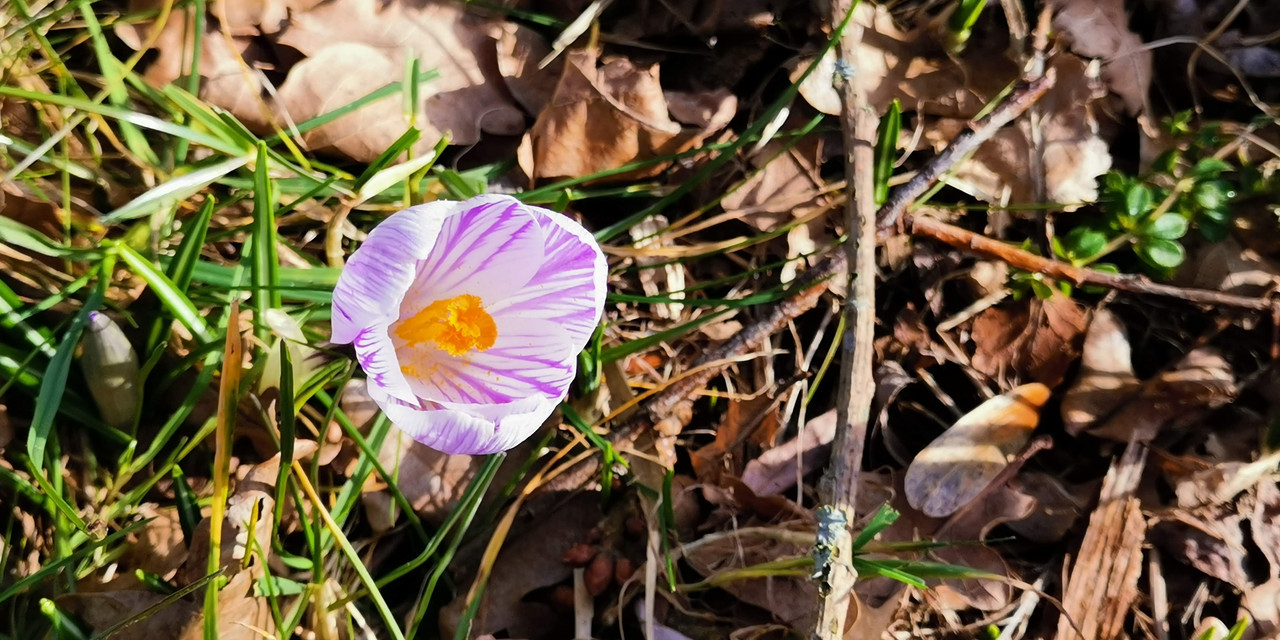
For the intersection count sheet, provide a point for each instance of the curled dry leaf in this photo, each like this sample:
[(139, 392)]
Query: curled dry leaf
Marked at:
[(958, 465), (1106, 374), (1202, 380), (605, 114), (1033, 339), (1059, 506), (776, 470), (519, 50)]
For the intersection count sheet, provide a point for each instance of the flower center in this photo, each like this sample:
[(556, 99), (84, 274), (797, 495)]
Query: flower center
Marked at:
[(456, 325)]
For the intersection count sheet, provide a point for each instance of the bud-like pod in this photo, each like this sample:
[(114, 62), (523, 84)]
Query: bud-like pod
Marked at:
[(110, 367)]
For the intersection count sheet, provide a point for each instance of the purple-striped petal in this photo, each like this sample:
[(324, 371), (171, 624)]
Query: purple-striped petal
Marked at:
[(377, 276), (569, 286), (475, 431), (489, 249), (377, 356)]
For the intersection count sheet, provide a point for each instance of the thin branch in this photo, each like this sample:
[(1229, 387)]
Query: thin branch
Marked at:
[(856, 388), (980, 245)]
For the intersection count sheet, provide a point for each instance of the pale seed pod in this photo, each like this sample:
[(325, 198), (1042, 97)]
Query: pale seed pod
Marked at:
[(110, 368)]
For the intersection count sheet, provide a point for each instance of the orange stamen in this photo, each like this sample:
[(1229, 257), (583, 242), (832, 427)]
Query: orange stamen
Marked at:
[(456, 325)]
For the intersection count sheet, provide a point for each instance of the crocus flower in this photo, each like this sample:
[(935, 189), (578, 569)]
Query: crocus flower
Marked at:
[(468, 318)]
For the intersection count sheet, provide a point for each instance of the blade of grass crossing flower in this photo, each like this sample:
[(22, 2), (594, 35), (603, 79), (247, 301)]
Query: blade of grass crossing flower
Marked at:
[(713, 165), (228, 400), (55, 376), (178, 188), (170, 296), (266, 263), (357, 563)]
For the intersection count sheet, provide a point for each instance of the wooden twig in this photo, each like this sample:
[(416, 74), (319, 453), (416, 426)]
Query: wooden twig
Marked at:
[(856, 388), (976, 244)]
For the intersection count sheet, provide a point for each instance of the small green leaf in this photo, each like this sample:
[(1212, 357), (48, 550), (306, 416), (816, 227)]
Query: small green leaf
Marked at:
[(1115, 182), (1158, 252), (1212, 194), (1169, 226), (1042, 290), (1167, 161), (1084, 243), (1137, 200), (1209, 168)]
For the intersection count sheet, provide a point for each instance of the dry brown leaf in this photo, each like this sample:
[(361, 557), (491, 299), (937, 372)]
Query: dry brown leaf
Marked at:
[(1106, 374), (1228, 267), (1074, 156), (431, 481), (519, 51), (608, 114), (241, 616), (783, 180), (527, 563), (350, 48), (1100, 29), (776, 470), (789, 600), (1202, 380), (1059, 506), (907, 66), (1031, 340), (958, 465), (742, 419)]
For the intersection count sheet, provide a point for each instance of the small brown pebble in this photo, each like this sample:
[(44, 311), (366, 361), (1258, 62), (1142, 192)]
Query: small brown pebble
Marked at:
[(562, 597), (579, 555), (599, 574), (623, 570), (636, 527)]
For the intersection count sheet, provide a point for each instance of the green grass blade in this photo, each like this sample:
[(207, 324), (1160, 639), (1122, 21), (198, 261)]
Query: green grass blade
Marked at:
[(178, 188), (173, 299)]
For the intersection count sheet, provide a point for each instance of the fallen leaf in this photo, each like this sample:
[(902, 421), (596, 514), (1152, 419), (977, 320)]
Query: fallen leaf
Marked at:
[(528, 562), (1100, 29), (784, 177), (431, 481), (519, 50), (742, 419), (1058, 506), (1106, 374), (1073, 154), (777, 469), (605, 114), (350, 48), (790, 600), (241, 616), (1202, 380), (957, 466), (1228, 267), (1033, 339)]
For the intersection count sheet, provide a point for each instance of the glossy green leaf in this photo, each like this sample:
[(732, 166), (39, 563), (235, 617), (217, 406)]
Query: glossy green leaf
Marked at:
[(1158, 252), (1169, 226)]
